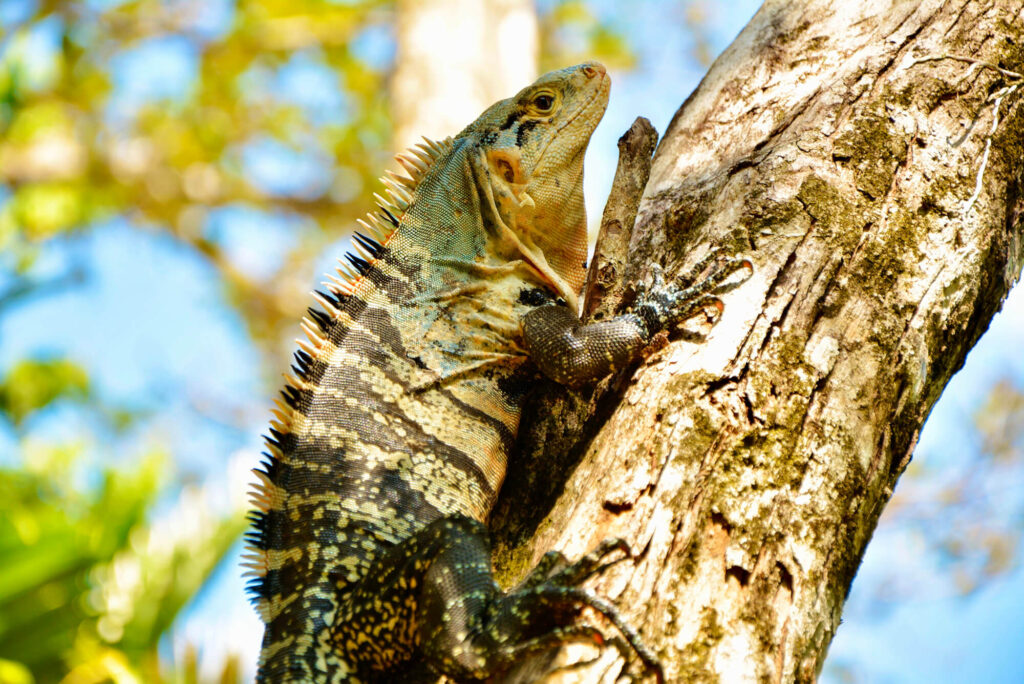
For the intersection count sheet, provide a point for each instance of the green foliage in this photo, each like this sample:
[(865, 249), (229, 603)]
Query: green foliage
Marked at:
[(33, 384), (70, 156), (86, 580)]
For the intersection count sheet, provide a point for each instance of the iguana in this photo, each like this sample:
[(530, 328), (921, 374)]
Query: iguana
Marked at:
[(369, 551)]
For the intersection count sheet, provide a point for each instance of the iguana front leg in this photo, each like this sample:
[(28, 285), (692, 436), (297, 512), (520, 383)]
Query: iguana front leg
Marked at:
[(573, 353)]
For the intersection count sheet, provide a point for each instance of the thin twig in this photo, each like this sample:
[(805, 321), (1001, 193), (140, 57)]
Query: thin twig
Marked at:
[(999, 96), (25, 287), (996, 98), (969, 60)]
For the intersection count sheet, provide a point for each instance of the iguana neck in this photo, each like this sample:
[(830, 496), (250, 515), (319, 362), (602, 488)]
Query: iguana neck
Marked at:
[(463, 218)]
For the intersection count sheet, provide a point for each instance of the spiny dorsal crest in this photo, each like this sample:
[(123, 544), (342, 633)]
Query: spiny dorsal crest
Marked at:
[(368, 246)]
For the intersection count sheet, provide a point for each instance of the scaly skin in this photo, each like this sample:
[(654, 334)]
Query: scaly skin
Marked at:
[(369, 552)]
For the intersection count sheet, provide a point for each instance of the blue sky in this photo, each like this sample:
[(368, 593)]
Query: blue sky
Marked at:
[(152, 326)]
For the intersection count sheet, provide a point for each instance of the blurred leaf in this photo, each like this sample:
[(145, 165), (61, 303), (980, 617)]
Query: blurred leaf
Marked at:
[(14, 673), (104, 665), (34, 384), (1001, 423), (572, 32), (85, 575)]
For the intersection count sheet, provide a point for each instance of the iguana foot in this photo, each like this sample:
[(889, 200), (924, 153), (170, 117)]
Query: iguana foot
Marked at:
[(555, 568), (663, 305), (554, 582)]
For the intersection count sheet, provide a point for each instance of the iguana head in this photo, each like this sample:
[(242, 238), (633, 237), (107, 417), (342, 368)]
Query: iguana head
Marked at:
[(531, 147)]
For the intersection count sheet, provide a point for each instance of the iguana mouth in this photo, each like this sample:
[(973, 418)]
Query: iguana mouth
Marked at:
[(599, 90)]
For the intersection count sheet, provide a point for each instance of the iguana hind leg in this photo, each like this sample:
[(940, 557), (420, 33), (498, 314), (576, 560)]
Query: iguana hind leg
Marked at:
[(440, 580)]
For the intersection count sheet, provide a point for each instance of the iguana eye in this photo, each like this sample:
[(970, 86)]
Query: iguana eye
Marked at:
[(544, 102)]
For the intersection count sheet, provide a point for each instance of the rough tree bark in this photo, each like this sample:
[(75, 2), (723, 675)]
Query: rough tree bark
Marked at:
[(868, 157)]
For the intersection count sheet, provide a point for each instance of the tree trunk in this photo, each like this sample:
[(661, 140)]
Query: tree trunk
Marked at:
[(868, 158), (440, 83)]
